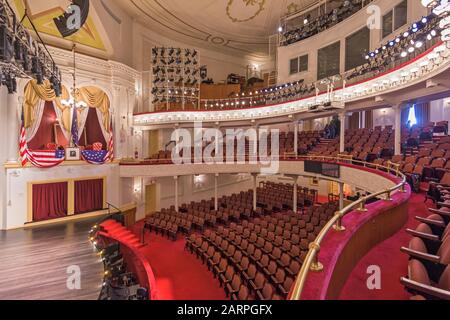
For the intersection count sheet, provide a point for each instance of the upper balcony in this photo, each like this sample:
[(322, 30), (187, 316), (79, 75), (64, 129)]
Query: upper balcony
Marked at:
[(303, 25), (406, 68)]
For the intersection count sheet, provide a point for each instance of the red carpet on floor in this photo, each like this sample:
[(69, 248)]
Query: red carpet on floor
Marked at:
[(179, 274), (392, 262)]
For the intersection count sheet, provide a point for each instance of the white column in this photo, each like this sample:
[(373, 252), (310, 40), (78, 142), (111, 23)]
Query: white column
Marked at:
[(296, 138), (295, 197), (398, 129), (254, 175), (216, 192), (13, 127), (342, 133), (176, 193), (341, 196)]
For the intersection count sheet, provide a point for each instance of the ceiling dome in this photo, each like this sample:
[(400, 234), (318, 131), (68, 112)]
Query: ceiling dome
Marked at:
[(235, 26)]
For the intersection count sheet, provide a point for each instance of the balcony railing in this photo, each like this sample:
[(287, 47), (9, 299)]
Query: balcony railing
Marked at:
[(312, 260)]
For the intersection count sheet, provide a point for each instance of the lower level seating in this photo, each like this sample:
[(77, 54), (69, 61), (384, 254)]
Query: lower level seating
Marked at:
[(261, 257)]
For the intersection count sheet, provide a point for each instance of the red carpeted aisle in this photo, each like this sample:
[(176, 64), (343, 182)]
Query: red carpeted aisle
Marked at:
[(179, 274), (392, 262)]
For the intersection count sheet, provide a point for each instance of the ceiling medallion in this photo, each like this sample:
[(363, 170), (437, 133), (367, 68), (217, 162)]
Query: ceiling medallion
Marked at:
[(254, 3)]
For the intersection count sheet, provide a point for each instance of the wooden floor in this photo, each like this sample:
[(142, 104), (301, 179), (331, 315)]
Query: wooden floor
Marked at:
[(34, 262)]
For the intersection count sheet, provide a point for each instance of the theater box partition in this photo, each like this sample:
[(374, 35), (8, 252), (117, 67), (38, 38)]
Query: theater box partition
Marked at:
[(70, 184)]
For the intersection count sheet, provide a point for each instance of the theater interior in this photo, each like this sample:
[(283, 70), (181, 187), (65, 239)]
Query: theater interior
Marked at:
[(229, 150)]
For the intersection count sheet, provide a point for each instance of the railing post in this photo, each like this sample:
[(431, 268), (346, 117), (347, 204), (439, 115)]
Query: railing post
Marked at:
[(362, 207), (388, 195), (338, 225), (403, 188), (316, 266)]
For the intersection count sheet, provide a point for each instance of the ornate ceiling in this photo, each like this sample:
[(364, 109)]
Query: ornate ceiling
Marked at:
[(42, 13), (236, 26)]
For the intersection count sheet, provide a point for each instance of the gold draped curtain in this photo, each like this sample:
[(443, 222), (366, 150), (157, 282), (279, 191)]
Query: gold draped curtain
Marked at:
[(94, 98), (34, 92)]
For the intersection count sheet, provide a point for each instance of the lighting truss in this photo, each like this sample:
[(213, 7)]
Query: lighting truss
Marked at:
[(20, 55)]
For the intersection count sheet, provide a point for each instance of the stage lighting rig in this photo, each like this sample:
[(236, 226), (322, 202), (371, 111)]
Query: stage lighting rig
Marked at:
[(20, 55)]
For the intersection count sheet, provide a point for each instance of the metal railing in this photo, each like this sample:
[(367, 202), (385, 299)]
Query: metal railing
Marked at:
[(312, 262)]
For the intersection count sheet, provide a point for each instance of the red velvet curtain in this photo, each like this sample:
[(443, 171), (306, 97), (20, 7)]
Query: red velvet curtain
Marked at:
[(92, 132), (88, 196), (46, 132), (50, 201)]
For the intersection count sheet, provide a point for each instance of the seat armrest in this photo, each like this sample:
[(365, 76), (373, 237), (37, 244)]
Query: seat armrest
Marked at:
[(289, 272), (442, 213), (422, 235), (275, 280), (444, 204), (259, 295), (421, 255), (431, 222), (282, 290), (425, 289)]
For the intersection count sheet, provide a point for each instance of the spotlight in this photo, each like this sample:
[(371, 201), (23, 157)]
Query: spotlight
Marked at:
[(424, 20), (411, 49), (403, 54), (419, 44), (280, 29)]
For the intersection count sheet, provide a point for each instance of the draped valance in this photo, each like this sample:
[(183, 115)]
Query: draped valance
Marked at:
[(92, 96), (35, 92), (96, 98)]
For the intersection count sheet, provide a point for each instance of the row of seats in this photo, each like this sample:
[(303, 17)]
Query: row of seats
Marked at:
[(260, 258), (429, 253), (233, 208), (322, 22), (306, 141)]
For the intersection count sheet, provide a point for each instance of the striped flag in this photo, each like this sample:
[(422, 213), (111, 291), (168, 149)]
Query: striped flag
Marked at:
[(46, 158), (110, 154), (98, 157), (23, 144), (39, 158)]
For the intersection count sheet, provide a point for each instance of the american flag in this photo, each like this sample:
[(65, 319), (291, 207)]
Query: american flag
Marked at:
[(74, 130), (94, 157), (100, 157), (23, 144), (110, 154), (46, 158)]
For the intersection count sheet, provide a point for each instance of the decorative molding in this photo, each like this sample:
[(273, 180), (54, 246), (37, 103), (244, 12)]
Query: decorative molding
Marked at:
[(259, 3)]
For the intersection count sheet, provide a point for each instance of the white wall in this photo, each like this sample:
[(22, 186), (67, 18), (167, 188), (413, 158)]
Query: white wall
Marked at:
[(339, 32), (17, 182), (440, 110), (383, 117)]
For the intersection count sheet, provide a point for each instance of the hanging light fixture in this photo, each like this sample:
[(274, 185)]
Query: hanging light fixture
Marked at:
[(74, 92)]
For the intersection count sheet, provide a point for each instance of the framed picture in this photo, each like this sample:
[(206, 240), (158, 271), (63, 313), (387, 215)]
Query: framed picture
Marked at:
[(72, 154)]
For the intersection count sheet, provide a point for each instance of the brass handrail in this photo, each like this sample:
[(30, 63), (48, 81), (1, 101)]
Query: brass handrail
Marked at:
[(311, 262)]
